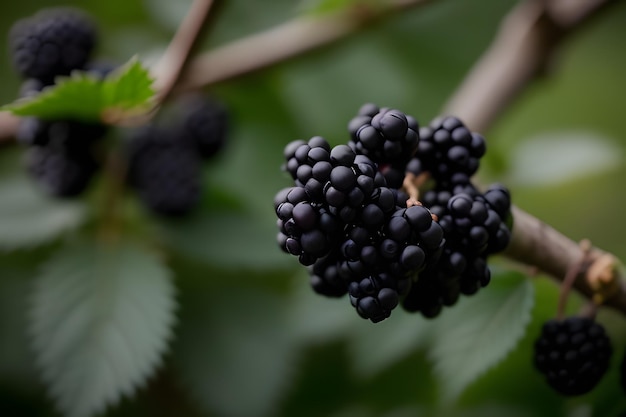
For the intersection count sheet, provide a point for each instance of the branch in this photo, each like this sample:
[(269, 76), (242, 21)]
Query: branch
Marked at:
[(248, 54), (280, 43), (520, 53), (175, 58)]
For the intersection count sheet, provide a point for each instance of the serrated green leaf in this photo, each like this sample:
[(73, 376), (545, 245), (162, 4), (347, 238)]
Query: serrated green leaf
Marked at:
[(83, 96), (29, 218), (128, 87), (479, 332), (100, 321), (78, 96), (237, 343)]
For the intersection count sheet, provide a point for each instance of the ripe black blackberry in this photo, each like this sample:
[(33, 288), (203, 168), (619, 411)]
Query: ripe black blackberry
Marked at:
[(204, 123), (447, 148), (386, 136), (52, 42), (164, 170), (572, 354)]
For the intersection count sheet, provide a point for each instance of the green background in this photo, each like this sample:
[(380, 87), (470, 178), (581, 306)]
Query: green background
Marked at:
[(252, 339)]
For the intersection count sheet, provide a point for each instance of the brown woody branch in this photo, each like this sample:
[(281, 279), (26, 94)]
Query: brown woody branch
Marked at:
[(521, 52)]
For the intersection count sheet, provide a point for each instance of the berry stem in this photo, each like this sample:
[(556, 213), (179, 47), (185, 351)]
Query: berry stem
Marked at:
[(411, 185)]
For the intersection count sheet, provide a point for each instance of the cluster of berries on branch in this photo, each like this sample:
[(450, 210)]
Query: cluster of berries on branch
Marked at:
[(392, 218), (163, 162)]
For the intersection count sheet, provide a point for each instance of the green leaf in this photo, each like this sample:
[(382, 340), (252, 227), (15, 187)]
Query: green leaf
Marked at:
[(235, 351), (100, 322), (83, 96), (236, 239), (128, 87), (480, 331), (28, 217)]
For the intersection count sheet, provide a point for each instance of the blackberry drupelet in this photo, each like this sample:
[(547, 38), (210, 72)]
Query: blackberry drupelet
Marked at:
[(52, 42), (573, 354)]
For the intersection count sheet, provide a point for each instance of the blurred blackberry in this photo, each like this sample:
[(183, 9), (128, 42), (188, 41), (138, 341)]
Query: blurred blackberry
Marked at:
[(447, 148), (52, 42), (386, 136), (205, 124), (165, 171), (573, 354), (61, 173)]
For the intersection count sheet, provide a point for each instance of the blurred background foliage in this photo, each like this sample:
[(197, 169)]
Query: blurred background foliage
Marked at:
[(251, 338)]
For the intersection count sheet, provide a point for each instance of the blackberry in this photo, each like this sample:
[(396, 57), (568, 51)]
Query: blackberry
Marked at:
[(165, 171), (386, 136), (447, 148), (52, 42), (573, 354), (59, 172), (205, 124)]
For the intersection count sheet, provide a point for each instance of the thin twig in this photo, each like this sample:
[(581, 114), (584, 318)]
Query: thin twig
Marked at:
[(175, 58), (280, 43)]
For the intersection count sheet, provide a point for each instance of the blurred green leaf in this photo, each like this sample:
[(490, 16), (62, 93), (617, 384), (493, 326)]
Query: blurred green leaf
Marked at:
[(557, 157), (480, 331), (83, 96), (101, 318), (29, 218), (230, 239), (235, 351)]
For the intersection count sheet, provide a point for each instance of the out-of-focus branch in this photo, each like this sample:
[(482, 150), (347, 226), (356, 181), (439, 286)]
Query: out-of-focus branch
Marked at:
[(174, 60), (522, 50), (282, 42), (300, 35)]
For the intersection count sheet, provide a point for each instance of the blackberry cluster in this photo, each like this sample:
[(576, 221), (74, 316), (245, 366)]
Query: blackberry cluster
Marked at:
[(572, 354), (63, 154), (351, 222), (164, 162), (52, 42)]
